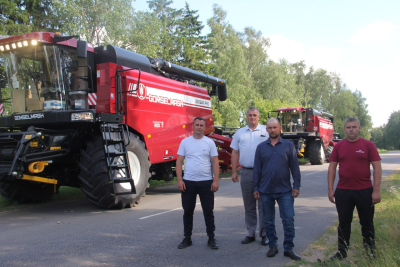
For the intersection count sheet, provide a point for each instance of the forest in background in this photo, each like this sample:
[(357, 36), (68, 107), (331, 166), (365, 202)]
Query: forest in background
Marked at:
[(239, 57)]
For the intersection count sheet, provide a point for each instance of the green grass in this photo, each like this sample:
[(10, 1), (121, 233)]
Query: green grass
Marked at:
[(380, 150), (65, 194), (387, 233), (303, 161)]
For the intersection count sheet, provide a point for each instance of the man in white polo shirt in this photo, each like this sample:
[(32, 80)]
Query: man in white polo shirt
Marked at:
[(244, 144), (201, 165)]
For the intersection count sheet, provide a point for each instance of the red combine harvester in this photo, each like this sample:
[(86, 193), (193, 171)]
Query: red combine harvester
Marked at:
[(104, 119), (310, 130)]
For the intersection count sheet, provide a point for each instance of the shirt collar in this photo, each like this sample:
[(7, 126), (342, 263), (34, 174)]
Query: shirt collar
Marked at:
[(269, 141), (255, 129)]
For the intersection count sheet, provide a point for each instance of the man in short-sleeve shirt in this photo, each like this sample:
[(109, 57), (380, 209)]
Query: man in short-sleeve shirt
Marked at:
[(354, 189), (201, 165), (244, 145)]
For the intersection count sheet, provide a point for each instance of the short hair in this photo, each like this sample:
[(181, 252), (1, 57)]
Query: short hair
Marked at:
[(199, 118), (252, 108), (274, 119), (352, 120)]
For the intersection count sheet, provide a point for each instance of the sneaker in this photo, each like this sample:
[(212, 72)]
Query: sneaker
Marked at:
[(212, 243), (186, 242), (338, 256)]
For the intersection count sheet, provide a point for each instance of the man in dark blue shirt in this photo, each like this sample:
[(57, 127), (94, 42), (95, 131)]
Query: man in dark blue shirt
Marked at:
[(274, 160)]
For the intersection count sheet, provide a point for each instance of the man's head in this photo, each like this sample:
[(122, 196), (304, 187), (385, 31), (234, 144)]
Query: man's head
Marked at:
[(352, 129), (273, 128), (199, 125), (252, 117)]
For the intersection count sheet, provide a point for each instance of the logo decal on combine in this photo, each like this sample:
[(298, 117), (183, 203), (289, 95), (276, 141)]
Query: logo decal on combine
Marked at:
[(155, 95), (142, 91), (29, 116)]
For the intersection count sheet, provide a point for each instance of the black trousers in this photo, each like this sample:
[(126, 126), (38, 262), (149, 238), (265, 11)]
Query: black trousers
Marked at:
[(346, 200), (203, 189)]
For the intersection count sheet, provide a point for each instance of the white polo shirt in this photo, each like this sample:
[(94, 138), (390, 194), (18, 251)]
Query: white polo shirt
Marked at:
[(198, 153), (246, 141)]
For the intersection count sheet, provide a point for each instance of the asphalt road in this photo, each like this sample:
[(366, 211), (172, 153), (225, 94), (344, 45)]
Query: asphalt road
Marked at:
[(77, 233)]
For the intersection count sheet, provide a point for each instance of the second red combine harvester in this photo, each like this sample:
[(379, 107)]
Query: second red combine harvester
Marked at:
[(310, 130)]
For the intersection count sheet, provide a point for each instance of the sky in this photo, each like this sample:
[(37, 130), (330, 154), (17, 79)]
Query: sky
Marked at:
[(359, 40)]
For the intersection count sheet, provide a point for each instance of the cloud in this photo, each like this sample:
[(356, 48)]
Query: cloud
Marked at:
[(282, 47), (293, 51), (378, 31)]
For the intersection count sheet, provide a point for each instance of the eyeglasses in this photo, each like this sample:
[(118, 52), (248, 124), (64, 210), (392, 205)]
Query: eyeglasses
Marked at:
[(252, 115)]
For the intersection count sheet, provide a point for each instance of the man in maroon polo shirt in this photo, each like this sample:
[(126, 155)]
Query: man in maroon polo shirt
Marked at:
[(354, 189)]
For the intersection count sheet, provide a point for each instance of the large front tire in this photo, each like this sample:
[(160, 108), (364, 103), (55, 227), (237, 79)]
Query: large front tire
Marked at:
[(316, 153), (95, 178)]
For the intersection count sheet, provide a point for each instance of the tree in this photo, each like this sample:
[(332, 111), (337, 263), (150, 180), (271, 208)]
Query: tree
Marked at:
[(378, 136), (98, 21), (144, 36), (168, 17), (228, 61), (189, 41), (392, 131), (23, 16), (361, 113)]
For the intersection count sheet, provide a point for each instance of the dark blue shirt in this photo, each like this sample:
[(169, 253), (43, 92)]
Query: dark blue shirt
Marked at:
[(272, 167)]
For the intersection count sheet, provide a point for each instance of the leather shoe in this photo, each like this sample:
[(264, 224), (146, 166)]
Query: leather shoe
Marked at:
[(264, 241), (272, 251), (338, 256), (212, 243), (291, 254), (248, 239), (186, 242)]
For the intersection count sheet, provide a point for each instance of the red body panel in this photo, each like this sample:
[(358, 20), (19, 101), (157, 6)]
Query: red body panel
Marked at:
[(161, 110), (325, 129)]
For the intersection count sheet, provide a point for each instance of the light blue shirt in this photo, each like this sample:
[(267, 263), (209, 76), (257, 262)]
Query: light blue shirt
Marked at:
[(198, 154), (246, 141)]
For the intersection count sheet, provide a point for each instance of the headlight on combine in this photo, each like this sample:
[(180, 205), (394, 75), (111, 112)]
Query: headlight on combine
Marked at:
[(82, 116)]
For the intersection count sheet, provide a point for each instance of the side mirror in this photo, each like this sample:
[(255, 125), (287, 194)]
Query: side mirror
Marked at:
[(81, 49), (222, 94)]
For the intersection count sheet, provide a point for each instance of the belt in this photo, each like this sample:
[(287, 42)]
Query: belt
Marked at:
[(247, 168)]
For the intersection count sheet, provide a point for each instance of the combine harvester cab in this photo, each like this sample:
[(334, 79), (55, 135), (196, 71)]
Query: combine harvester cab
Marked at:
[(103, 119), (310, 130)]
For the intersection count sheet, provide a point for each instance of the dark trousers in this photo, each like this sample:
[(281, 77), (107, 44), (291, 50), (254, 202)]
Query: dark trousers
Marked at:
[(346, 200), (203, 189)]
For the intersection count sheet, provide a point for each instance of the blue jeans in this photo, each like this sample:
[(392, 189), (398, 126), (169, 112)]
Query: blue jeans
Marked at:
[(286, 209)]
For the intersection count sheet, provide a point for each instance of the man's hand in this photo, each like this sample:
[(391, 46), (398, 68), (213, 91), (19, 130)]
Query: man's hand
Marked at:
[(376, 197), (331, 195), (214, 186), (235, 177), (295, 193), (256, 195), (181, 186)]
